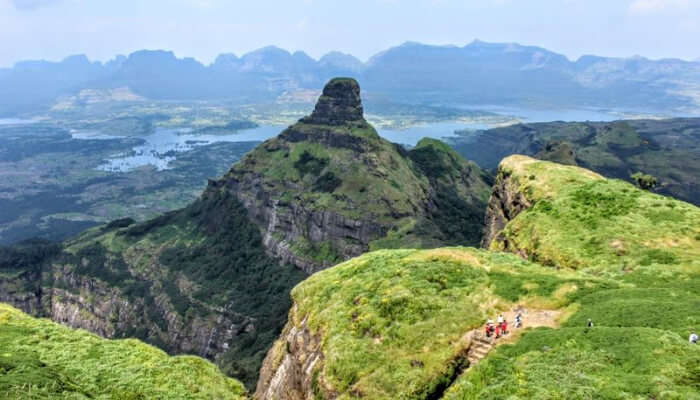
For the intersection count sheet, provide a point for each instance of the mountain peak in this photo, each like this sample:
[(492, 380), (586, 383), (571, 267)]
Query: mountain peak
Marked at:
[(339, 103)]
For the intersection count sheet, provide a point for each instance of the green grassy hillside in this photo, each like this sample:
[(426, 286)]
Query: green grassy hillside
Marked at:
[(426, 197), (580, 220), (648, 244), (40, 359), (393, 323)]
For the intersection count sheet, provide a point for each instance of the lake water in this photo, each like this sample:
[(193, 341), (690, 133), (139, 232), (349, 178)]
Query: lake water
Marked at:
[(438, 130), (548, 115), (162, 147)]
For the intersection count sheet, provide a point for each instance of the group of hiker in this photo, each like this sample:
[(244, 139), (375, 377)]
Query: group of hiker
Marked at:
[(500, 327)]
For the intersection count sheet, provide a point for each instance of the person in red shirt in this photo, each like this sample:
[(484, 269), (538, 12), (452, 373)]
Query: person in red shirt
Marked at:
[(504, 328)]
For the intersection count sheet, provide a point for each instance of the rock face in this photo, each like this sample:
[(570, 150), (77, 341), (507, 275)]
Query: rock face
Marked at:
[(288, 369), (506, 202), (88, 303), (329, 188), (195, 281), (339, 103)]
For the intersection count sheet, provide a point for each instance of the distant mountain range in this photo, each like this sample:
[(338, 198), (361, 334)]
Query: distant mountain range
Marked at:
[(478, 73)]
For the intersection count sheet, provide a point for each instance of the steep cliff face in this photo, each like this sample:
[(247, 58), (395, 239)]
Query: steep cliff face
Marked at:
[(89, 303), (292, 367), (329, 188), (506, 202), (196, 281)]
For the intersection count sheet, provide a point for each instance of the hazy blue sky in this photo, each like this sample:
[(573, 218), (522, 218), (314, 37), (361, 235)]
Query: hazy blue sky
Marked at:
[(52, 29)]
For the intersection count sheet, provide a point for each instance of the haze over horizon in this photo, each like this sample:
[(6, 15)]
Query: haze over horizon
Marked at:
[(203, 29)]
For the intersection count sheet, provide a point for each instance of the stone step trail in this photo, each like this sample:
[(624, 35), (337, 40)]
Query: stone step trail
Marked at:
[(480, 345)]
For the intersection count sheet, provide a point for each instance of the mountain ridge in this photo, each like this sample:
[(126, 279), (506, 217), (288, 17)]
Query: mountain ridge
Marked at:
[(213, 279), (412, 72), (329, 187)]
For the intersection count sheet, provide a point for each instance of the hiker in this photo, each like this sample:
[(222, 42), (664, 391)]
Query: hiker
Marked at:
[(518, 320), (590, 323), (500, 319), (504, 327), (498, 331), (693, 338), (489, 327)]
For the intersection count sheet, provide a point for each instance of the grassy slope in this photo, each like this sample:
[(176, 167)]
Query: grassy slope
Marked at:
[(40, 359), (580, 220), (391, 321), (383, 313), (638, 347), (369, 181)]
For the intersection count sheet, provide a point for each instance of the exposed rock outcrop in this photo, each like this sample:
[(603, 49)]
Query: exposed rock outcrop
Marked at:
[(340, 103), (291, 368), (87, 303), (214, 278), (506, 202)]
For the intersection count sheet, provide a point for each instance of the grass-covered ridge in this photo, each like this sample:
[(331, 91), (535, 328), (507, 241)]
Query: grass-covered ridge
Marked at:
[(392, 321), (580, 220), (40, 359), (645, 243)]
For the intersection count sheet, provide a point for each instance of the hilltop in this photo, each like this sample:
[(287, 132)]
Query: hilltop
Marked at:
[(399, 323), (43, 360), (329, 188), (570, 217)]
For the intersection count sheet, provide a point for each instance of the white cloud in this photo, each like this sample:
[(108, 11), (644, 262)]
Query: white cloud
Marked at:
[(652, 6)]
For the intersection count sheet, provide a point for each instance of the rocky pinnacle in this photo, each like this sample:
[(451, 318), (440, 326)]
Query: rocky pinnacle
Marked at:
[(339, 103)]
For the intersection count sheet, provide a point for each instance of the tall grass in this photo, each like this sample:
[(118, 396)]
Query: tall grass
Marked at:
[(40, 359)]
